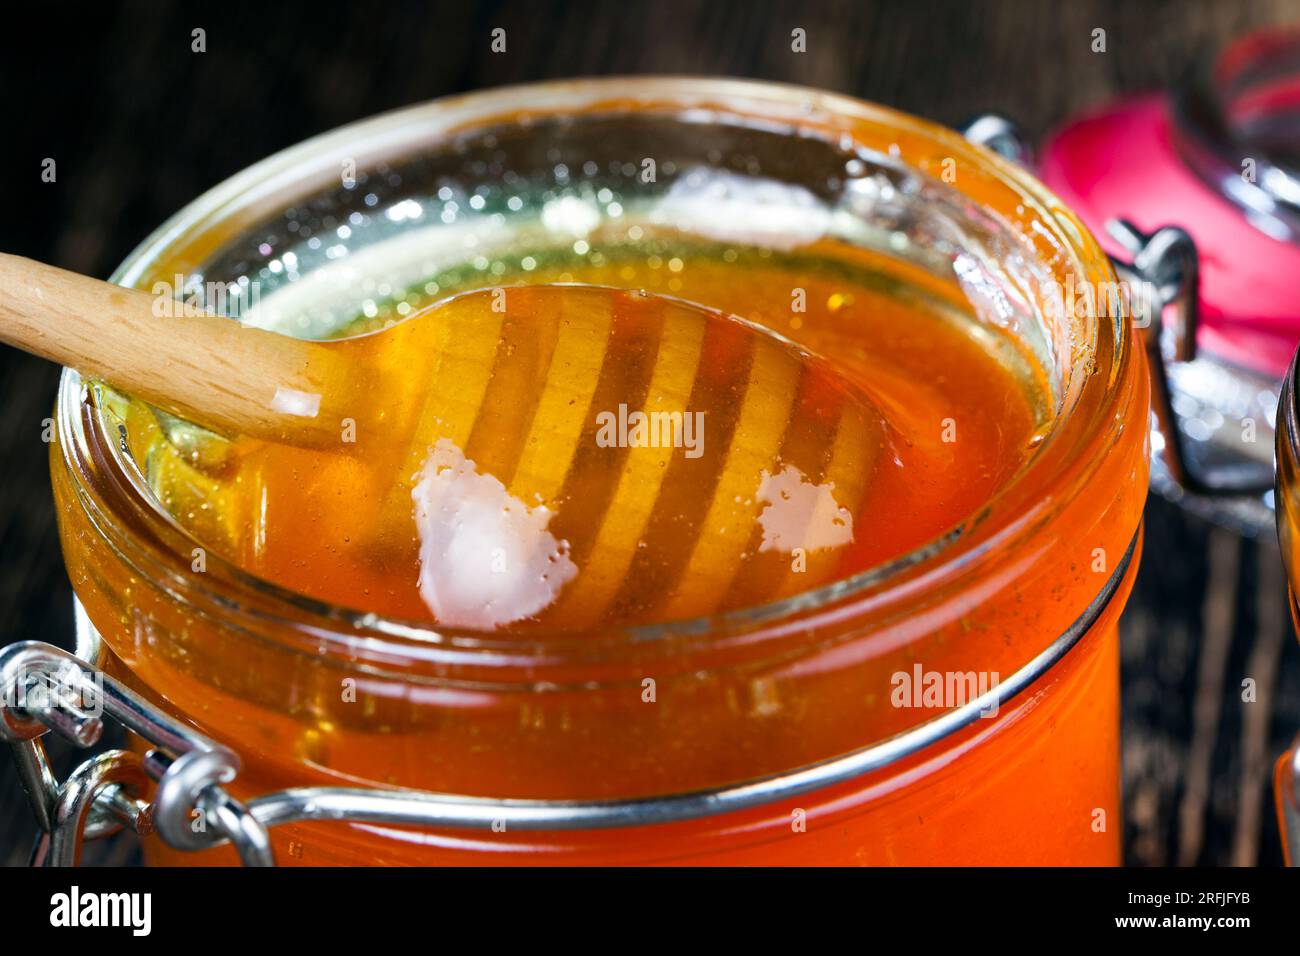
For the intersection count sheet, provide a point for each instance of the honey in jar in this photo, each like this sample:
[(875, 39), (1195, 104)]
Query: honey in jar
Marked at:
[(908, 467), (579, 456)]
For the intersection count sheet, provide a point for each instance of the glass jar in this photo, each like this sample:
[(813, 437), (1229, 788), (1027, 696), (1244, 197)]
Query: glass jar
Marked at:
[(769, 735), (1287, 773)]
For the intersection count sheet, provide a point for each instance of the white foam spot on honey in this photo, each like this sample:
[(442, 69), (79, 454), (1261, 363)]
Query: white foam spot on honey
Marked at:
[(800, 514), (486, 558)]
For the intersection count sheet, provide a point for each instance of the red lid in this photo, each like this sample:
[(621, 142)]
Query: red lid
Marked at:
[(1123, 162)]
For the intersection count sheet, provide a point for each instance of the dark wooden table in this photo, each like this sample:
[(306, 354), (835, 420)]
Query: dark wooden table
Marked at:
[(139, 124)]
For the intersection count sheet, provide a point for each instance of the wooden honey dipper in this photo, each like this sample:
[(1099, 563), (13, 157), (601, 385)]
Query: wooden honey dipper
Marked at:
[(198, 366), (538, 387)]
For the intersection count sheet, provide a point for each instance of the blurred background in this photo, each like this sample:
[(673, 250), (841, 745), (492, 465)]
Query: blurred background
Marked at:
[(139, 125)]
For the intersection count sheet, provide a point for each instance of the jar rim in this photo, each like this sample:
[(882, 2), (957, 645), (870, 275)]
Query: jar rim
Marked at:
[(122, 507)]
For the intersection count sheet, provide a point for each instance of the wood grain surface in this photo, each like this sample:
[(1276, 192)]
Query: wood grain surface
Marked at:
[(138, 125)]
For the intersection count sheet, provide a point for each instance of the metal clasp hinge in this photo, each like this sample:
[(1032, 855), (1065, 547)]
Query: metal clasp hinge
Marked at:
[(44, 689), (1165, 267)]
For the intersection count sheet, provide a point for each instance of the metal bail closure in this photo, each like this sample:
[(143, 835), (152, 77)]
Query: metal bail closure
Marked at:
[(43, 689), (1160, 272), (1164, 268)]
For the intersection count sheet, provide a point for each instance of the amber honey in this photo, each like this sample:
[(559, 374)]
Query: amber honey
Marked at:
[(992, 478), (777, 470)]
